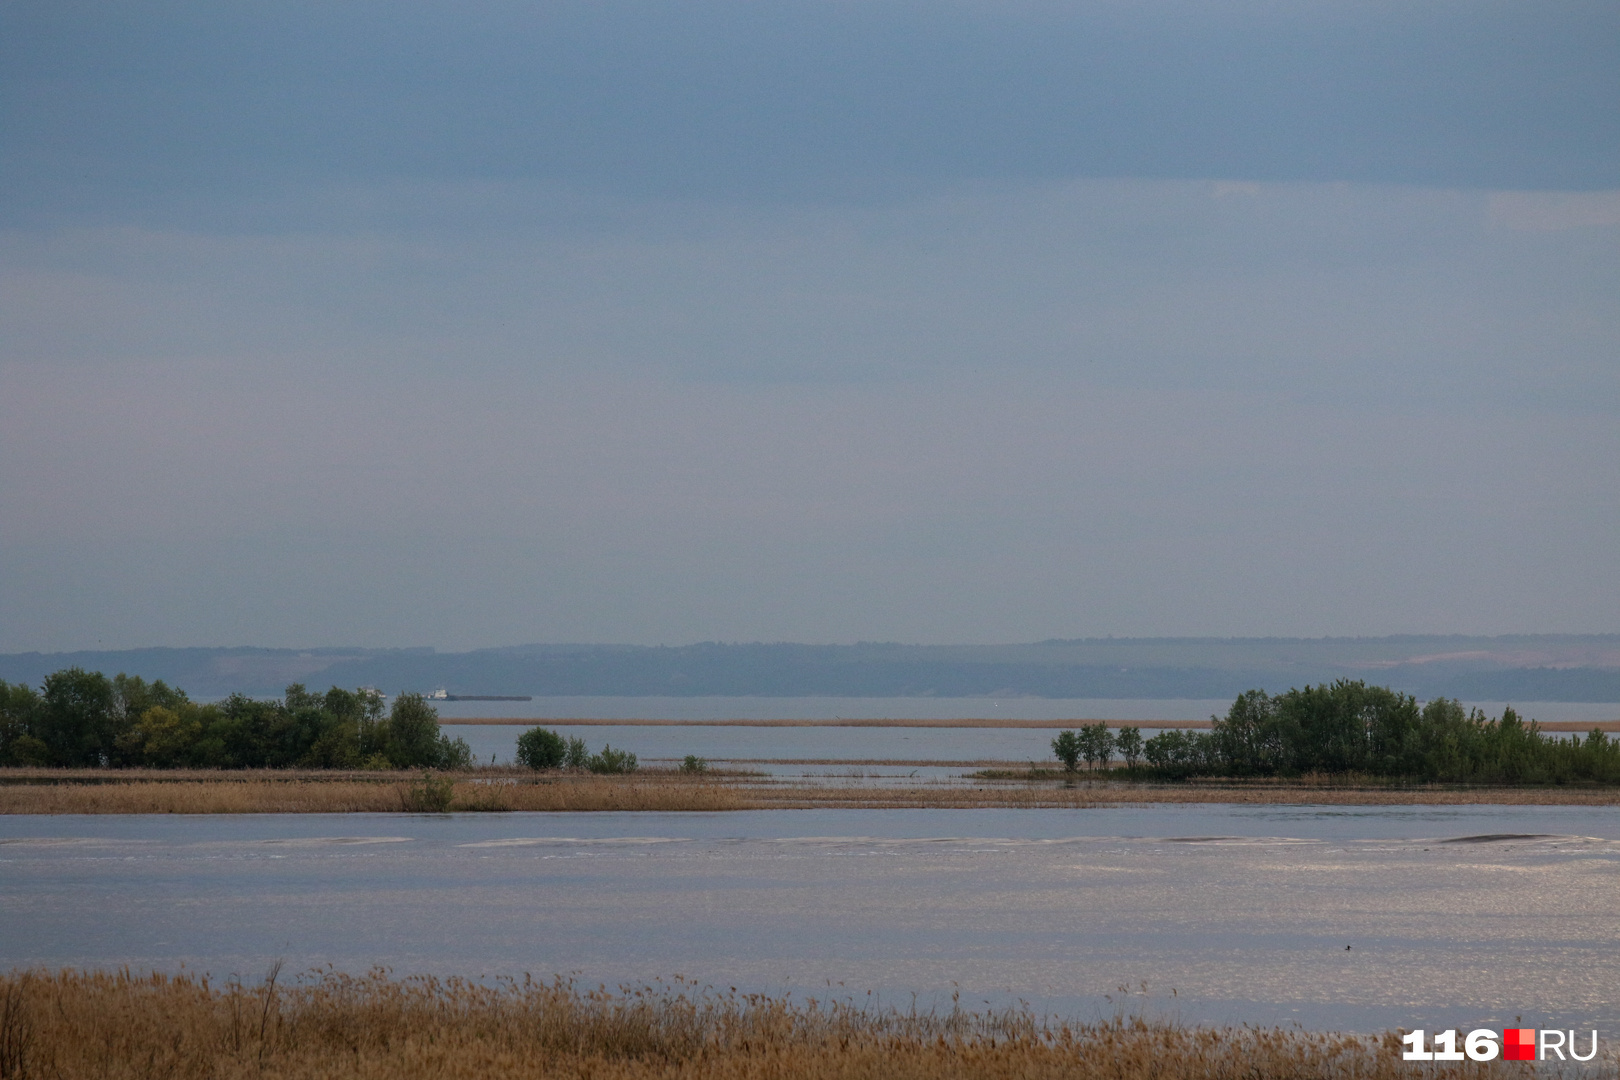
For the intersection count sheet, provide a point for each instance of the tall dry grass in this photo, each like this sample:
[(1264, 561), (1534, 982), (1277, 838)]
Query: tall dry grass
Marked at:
[(99, 791), (259, 796), (115, 1026)]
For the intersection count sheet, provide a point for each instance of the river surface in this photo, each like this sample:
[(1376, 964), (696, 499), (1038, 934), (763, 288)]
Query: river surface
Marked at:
[(786, 751), (1345, 918)]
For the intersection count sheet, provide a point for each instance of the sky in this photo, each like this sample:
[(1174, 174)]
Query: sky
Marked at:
[(492, 322)]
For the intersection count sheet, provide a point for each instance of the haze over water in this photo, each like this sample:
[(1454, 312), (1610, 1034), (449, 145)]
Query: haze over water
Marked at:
[(468, 325), (1454, 916)]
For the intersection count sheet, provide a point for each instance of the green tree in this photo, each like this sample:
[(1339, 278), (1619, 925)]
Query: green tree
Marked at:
[(80, 718), (1129, 742), (413, 733), (1067, 749), (541, 748), (19, 717), (164, 737), (349, 727), (1180, 754), (1249, 740), (1347, 727), (1097, 744)]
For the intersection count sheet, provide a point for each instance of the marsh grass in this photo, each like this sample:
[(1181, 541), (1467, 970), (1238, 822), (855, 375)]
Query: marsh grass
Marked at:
[(391, 794), (104, 791), (115, 1025), (428, 795)]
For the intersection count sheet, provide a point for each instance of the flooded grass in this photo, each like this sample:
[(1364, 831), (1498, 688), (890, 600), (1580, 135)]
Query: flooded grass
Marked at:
[(114, 1025)]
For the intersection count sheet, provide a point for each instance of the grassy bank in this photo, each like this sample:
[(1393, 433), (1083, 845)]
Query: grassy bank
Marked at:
[(111, 1026), (102, 791)]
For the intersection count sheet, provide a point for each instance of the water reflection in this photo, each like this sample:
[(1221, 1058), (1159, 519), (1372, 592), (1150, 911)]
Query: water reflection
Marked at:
[(1358, 918)]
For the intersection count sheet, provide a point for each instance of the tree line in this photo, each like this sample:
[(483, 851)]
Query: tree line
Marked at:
[(81, 718), (1352, 728)]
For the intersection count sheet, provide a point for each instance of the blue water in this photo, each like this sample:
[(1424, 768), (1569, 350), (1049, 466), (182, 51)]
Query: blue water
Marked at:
[(1455, 916), (757, 747)]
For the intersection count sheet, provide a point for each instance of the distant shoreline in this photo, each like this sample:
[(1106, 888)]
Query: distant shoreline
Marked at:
[(982, 722)]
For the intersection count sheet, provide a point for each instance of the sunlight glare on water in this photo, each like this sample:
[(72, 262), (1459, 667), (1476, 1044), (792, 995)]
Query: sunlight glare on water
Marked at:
[(1451, 915)]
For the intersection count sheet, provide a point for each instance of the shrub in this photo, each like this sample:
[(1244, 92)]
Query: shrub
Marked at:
[(611, 761), (541, 748), (429, 795), (1067, 749), (1180, 754), (454, 753), (577, 755), (694, 764)]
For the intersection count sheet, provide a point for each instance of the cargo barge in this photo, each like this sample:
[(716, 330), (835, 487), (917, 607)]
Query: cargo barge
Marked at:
[(440, 695)]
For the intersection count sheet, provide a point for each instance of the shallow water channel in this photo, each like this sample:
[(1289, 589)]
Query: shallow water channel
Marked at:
[(1453, 916), (787, 752), (822, 751)]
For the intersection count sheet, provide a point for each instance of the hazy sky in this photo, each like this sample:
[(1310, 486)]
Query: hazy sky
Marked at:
[(481, 323)]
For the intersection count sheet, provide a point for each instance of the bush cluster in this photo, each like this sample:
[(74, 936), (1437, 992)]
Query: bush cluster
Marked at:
[(1350, 727), (82, 718), (542, 748)]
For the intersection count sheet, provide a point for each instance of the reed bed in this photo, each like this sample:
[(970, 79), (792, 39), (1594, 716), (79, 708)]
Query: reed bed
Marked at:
[(119, 1026), (260, 796), (497, 790)]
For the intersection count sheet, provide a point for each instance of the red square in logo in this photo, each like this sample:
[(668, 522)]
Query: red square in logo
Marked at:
[(1519, 1044)]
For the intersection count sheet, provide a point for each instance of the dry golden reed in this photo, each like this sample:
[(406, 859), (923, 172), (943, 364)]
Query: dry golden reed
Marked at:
[(104, 792), (117, 1026), (291, 796)]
